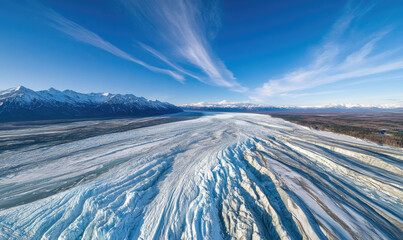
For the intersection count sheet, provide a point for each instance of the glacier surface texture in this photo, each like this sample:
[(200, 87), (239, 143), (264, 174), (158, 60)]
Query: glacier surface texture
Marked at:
[(220, 176)]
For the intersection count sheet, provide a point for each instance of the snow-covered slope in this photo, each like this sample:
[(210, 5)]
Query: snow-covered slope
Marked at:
[(239, 176), (21, 103)]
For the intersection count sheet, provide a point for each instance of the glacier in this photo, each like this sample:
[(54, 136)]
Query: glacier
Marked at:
[(220, 176)]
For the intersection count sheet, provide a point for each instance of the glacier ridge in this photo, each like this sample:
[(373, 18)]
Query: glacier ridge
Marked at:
[(224, 175)]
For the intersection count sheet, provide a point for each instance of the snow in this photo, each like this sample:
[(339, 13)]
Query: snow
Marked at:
[(21, 103), (25, 95), (223, 103), (253, 106), (224, 175)]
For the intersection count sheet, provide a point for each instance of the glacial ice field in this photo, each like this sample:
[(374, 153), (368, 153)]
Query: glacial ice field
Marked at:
[(220, 176)]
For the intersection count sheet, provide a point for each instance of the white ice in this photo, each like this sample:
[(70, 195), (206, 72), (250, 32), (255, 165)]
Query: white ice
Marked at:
[(240, 176)]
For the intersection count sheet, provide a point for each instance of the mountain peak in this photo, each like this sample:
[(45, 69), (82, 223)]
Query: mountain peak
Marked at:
[(23, 104), (21, 88), (19, 94), (53, 90)]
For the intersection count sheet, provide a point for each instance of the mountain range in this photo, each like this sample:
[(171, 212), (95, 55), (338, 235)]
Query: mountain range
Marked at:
[(23, 104), (225, 106)]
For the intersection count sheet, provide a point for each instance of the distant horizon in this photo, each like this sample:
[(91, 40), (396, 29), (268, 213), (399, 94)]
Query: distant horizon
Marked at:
[(290, 53), (225, 103)]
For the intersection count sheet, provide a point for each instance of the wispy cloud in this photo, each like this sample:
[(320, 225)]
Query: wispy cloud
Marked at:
[(334, 60), (81, 34), (183, 28), (165, 60)]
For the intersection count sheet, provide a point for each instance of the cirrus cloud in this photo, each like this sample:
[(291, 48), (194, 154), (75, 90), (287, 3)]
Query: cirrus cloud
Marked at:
[(336, 60), (184, 29)]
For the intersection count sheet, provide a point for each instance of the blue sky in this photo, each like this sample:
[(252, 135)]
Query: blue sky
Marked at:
[(301, 53)]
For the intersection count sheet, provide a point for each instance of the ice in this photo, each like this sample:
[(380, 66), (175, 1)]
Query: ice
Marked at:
[(224, 175)]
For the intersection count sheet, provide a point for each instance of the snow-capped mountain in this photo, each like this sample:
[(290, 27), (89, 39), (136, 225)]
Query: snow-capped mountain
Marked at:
[(226, 106), (221, 104), (21, 104)]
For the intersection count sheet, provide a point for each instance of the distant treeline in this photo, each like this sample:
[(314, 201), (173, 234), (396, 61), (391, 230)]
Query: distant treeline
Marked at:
[(380, 130)]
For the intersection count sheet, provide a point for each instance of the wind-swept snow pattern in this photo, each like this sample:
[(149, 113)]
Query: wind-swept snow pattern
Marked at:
[(221, 176)]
